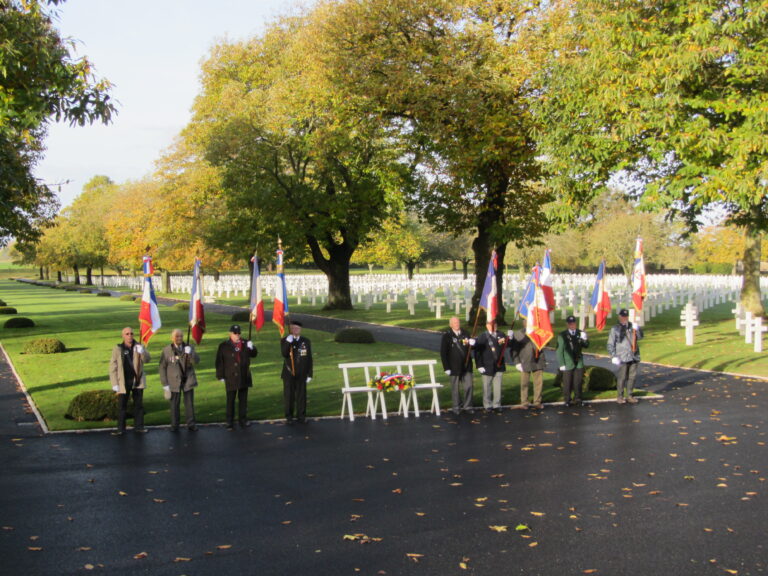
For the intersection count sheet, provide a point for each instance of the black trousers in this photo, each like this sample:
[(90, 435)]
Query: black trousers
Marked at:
[(572, 380), (242, 406), (138, 408), (295, 396), (189, 407)]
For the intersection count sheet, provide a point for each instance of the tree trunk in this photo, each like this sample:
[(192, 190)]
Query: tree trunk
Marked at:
[(465, 267), (166, 281), (77, 274), (101, 272), (750, 287), (453, 266), (42, 274), (58, 276), (410, 266), (88, 276), (336, 270), (47, 273)]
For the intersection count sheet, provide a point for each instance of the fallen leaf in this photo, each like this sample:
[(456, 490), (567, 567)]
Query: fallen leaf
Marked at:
[(140, 555), (533, 545), (286, 522), (182, 559), (158, 500), (473, 460), (522, 527), (537, 513), (498, 528), (83, 548), (224, 546), (34, 548), (121, 493), (397, 491), (414, 557)]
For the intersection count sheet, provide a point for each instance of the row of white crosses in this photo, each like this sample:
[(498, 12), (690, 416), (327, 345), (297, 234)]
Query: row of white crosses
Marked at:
[(750, 327)]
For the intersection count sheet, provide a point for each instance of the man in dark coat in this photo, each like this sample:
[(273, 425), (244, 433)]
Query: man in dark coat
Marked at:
[(457, 363), (297, 372), (489, 355), (233, 368), (530, 362), (570, 343)]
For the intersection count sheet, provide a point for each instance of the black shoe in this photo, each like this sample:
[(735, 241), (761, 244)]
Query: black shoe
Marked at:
[(174, 428), (456, 411), (302, 420), (469, 410), (230, 426), (140, 430), (117, 432), (568, 404), (192, 428), (498, 410)]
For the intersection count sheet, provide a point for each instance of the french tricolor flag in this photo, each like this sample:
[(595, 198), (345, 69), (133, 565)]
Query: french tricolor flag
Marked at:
[(196, 311), (546, 280), (639, 290), (280, 310), (149, 315), (489, 298), (537, 326), (257, 305), (600, 302)]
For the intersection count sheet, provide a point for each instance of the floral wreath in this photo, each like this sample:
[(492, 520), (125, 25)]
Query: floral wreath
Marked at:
[(386, 382)]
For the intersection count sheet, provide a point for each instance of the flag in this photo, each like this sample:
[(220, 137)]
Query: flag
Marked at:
[(601, 302), (257, 305), (546, 280), (196, 312), (149, 315), (280, 310), (639, 290), (528, 294), (537, 326), (489, 300)]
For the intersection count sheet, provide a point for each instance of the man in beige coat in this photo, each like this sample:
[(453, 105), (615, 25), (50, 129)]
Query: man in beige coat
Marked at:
[(126, 373), (177, 374)]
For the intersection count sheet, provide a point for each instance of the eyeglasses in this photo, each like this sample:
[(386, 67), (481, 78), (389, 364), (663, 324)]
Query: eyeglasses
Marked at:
[(127, 333)]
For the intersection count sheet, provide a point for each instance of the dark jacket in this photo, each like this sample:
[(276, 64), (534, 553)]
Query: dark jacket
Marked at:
[(524, 352), (234, 370), (302, 358), (177, 369), (488, 350), (454, 352), (569, 349)]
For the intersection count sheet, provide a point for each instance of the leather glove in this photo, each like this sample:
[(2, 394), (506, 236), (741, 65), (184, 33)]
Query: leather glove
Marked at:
[(250, 345), (615, 361), (481, 370), (562, 368), (289, 338), (583, 335), (519, 367), (447, 372), (139, 348), (187, 349), (472, 341)]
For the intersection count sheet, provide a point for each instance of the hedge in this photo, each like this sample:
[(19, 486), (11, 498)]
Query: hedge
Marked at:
[(95, 405), (7, 310), (19, 322), (596, 379), (127, 297), (44, 346), (181, 306)]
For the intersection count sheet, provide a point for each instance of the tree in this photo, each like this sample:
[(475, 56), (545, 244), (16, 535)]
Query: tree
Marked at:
[(673, 95), (721, 245), (295, 159), (453, 78), (40, 82)]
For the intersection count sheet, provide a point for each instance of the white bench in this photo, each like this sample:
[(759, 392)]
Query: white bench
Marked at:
[(376, 399)]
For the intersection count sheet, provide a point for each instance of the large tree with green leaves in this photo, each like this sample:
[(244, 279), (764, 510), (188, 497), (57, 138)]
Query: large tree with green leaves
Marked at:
[(40, 81), (296, 160), (453, 77), (671, 94)]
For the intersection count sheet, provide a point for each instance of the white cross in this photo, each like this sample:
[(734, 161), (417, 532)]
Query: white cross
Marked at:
[(689, 319)]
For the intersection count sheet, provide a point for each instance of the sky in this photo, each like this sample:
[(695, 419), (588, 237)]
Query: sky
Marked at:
[(151, 50)]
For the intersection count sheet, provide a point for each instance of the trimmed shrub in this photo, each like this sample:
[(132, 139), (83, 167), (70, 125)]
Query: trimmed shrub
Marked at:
[(44, 346), (95, 405), (7, 310), (127, 297), (181, 306), (85, 291), (103, 293), (2, 303), (19, 322), (244, 316), (354, 336), (596, 379), (70, 289)]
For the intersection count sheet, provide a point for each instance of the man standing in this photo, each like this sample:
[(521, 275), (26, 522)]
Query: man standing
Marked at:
[(233, 368), (297, 372), (489, 355), (177, 374), (457, 363), (570, 343), (529, 361), (126, 373), (624, 349)]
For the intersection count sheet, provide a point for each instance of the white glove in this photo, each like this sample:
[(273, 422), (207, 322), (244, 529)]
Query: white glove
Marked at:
[(519, 367), (481, 370), (250, 345), (472, 341), (139, 349), (115, 388), (562, 368), (187, 349), (583, 335), (447, 372), (166, 387), (615, 361), (309, 379), (289, 338), (510, 334), (223, 381)]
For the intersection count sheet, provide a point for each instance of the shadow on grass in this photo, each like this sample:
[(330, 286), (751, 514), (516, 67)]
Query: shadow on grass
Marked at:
[(70, 384)]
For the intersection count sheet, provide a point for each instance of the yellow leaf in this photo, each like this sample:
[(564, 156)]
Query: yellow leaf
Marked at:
[(88, 566), (140, 555), (34, 548), (498, 528), (121, 493), (473, 460), (463, 565), (158, 500), (224, 546), (181, 559), (537, 513), (533, 545)]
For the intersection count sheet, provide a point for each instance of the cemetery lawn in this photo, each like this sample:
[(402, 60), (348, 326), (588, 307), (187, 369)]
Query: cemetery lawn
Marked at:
[(90, 327)]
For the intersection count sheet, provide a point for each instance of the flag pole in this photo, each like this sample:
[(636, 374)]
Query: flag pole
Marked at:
[(250, 313), (288, 315)]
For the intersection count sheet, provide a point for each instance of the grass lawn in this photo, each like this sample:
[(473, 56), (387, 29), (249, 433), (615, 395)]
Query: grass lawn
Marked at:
[(90, 327)]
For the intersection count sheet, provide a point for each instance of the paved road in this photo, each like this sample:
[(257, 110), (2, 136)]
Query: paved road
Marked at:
[(672, 486)]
